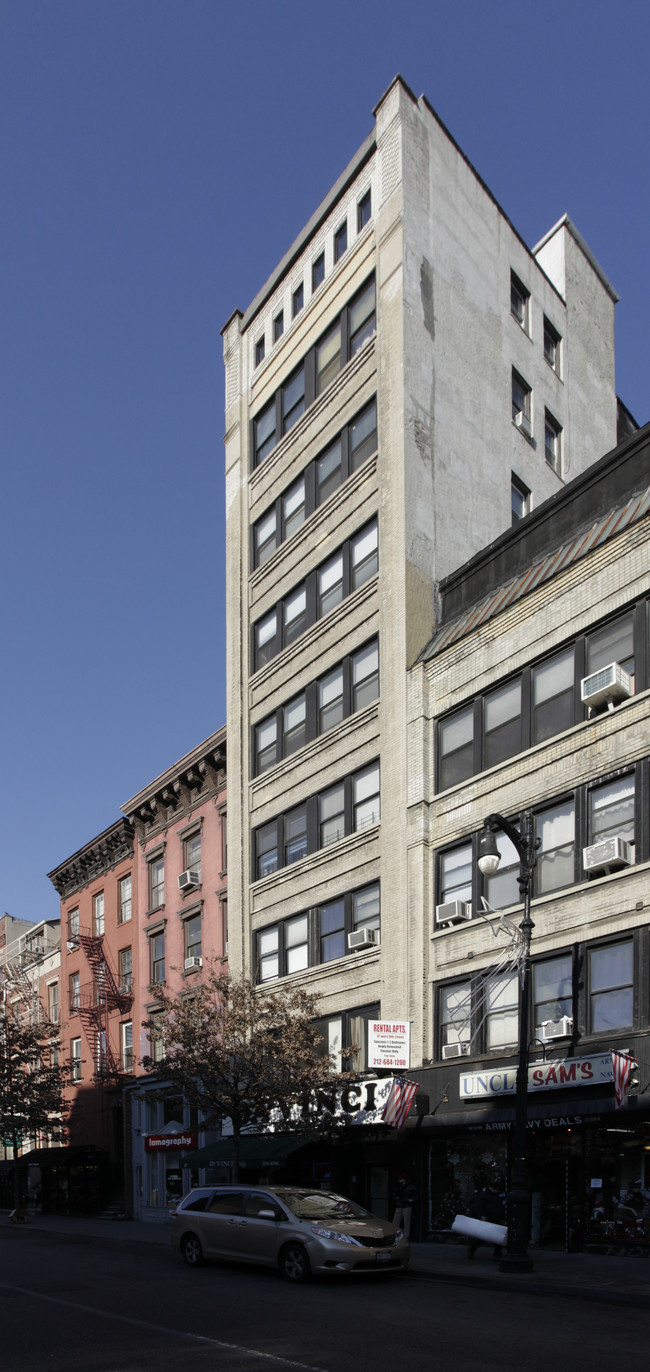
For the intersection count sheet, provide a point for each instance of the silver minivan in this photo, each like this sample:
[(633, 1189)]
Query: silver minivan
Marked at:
[(298, 1230)]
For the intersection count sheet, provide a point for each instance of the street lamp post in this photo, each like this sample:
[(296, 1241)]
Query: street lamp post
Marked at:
[(516, 1258)]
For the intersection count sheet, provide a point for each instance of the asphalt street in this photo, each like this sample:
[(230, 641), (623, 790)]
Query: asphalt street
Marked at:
[(73, 1304)]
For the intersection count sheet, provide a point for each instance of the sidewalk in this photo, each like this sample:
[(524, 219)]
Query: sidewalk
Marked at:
[(623, 1280)]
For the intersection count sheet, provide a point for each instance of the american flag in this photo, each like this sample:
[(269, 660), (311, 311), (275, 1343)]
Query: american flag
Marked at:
[(621, 1067), (398, 1102)]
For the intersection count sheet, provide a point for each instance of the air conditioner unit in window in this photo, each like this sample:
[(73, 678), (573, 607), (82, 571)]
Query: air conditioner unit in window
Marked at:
[(454, 1050), (453, 912), (606, 686), (522, 421), (606, 855), (553, 1029), (362, 938), (193, 962), (189, 879), (72, 944)]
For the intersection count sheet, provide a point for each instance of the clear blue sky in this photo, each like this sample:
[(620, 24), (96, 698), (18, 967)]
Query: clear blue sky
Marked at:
[(157, 158)]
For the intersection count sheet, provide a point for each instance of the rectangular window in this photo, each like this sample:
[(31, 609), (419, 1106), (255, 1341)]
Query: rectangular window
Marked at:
[(348, 687), (192, 854), (330, 585), (362, 317), (611, 810), (98, 914), (456, 748), (268, 953), (456, 874), (501, 1011), (503, 888), (553, 442), (365, 676), (331, 815), (125, 965), (613, 643), (340, 241), (266, 849), (259, 351), (73, 925), (316, 936), (125, 909), (329, 471), (521, 403), (53, 1002), (293, 508), (364, 211), (265, 538), (278, 326), (193, 937), (329, 357), (297, 300), (366, 908), (296, 943), (126, 1045), (611, 982), (265, 639), (364, 556), (157, 1050), (293, 399), (456, 1013), (74, 990), (556, 857), (156, 883), (552, 342), (157, 945), (502, 723), (365, 797), (75, 1055), (295, 835), (332, 930), (266, 744), (519, 500), (318, 272), (553, 696), (294, 614), (294, 725), (552, 990), (264, 436), (519, 302), (330, 700), (363, 436)]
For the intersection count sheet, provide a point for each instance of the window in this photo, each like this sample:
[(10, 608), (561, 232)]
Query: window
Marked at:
[(350, 686), (319, 593), (502, 723), (364, 211), (345, 1037), (278, 326), (611, 811), (519, 499), (503, 888), (157, 1052), (553, 702), (74, 981), (455, 1013), (552, 342), (351, 804), (317, 935), (53, 1002), (519, 302), (552, 990), (501, 1011), (340, 241), (192, 928), (125, 966), (157, 945), (552, 442), (192, 854), (126, 1045), (156, 883), (75, 1057), (456, 874), (332, 930), (365, 908), (296, 943), (73, 925), (318, 271), (297, 300), (259, 351), (344, 455), (98, 914), (611, 973), (555, 828), (344, 337), (612, 643), (268, 960), (521, 403), (456, 748), (124, 909)]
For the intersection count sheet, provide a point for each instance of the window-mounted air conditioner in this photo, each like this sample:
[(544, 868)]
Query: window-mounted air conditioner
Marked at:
[(362, 938), (609, 853), (453, 911), (454, 1050), (72, 944), (553, 1029), (522, 421), (193, 962), (189, 879), (606, 686)]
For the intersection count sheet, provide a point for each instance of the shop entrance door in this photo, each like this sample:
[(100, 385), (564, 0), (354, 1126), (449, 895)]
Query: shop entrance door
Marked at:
[(556, 1190)]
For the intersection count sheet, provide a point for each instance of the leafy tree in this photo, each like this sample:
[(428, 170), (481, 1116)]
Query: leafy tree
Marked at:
[(32, 1083), (254, 1057)]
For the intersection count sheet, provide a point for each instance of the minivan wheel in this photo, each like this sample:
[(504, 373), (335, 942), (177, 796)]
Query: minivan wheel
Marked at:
[(192, 1250), (294, 1263)]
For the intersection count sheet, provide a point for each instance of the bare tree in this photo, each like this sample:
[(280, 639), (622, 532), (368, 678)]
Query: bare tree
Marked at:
[(32, 1083), (252, 1056)]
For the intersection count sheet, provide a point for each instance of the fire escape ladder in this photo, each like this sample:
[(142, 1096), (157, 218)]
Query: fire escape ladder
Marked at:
[(116, 999)]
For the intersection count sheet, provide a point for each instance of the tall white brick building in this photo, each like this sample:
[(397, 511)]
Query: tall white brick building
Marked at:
[(410, 380)]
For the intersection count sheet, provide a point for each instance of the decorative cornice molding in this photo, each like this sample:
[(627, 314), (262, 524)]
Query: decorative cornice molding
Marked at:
[(94, 860)]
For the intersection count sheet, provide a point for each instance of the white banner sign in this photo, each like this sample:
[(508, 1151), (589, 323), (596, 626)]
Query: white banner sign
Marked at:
[(360, 1102), (543, 1076), (388, 1045)]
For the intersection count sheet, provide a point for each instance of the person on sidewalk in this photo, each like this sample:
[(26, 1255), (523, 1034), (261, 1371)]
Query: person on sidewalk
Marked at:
[(404, 1196), (487, 1205)]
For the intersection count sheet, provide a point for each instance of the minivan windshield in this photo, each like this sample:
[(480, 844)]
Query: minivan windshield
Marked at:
[(320, 1205)]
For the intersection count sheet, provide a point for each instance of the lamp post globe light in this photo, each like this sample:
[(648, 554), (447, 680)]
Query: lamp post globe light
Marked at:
[(516, 1258)]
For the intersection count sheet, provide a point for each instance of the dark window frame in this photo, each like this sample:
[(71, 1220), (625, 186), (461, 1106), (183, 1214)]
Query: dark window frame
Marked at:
[(260, 349), (517, 288), (519, 488), (553, 426), (555, 339), (315, 933), (364, 210), (275, 406), (340, 241), (275, 829), (297, 299), (278, 326), (318, 272), (367, 1013)]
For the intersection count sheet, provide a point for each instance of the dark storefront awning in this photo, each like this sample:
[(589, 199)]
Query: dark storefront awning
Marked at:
[(567, 1112), (71, 1155), (259, 1150)]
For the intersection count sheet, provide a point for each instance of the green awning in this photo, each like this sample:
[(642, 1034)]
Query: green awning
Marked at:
[(255, 1150)]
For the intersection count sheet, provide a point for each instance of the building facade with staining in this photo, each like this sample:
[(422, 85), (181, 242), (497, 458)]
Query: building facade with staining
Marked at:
[(411, 379)]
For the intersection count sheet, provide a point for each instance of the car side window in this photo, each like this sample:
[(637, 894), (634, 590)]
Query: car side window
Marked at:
[(200, 1203), (257, 1203), (227, 1203)]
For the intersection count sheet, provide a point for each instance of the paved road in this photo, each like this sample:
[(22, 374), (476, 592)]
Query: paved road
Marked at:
[(69, 1304)]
